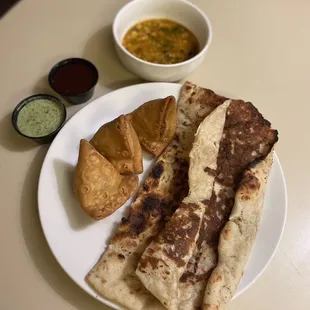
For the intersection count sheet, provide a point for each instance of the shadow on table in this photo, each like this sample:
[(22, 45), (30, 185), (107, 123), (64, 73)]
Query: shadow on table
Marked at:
[(42, 86), (6, 5), (100, 50), (37, 246), (10, 139)]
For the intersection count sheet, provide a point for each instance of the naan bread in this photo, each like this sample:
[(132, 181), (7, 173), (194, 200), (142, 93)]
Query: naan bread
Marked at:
[(247, 137), (118, 142), (238, 236), (114, 275), (155, 123), (165, 259), (98, 185)]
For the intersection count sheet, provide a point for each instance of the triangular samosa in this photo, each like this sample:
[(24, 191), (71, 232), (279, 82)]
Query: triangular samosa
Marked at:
[(97, 184), (118, 142), (155, 123)]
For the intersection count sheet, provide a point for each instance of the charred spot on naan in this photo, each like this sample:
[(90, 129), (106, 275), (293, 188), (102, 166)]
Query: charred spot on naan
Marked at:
[(210, 171), (178, 187), (248, 186), (210, 307), (218, 211), (153, 209), (121, 256), (249, 182), (188, 86), (154, 262), (217, 278), (158, 170), (191, 276), (179, 232), (227, 233)]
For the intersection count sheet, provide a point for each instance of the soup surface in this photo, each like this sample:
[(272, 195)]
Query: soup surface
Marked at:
[(161, 41)]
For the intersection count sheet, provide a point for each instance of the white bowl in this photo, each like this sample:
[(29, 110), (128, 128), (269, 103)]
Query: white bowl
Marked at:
[(180, 11)]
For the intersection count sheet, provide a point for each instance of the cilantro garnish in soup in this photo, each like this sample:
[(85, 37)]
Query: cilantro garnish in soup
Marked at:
[(161, 41)]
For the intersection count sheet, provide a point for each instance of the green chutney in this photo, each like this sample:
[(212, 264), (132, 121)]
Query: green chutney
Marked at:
[(40, 117)]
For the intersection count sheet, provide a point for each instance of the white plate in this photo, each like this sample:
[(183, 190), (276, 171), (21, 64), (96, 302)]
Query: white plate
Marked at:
[(77, 241)]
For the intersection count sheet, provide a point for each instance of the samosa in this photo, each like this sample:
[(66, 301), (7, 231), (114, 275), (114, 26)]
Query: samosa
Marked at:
[(155, 123), (118, 142), (97, 184)]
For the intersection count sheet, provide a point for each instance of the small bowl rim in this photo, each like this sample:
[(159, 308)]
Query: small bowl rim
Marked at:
[(28, 100), (202, 51), (67, 61)]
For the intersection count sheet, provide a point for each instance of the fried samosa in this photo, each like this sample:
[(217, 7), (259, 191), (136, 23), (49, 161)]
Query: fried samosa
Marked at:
[(155, 123), (118, 142), (97, 184)]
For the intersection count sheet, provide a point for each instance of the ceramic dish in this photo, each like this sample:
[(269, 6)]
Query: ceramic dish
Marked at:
[(180, 11), (48, 137)]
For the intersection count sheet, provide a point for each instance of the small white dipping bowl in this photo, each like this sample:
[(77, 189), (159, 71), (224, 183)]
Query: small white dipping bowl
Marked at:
[(180, 11)]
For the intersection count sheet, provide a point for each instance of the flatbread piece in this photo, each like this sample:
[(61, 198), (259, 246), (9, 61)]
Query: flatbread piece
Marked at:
[(238, 236), (247, 137)]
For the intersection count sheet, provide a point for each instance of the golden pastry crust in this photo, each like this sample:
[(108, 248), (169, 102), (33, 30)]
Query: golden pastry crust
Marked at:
[(118, 142), (98, 186), (155, 123)]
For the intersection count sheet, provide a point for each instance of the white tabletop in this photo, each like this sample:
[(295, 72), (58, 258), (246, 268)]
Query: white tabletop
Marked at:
[(260, 52)]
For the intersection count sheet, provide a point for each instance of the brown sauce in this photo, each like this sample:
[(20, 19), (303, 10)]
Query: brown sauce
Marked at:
[(74, 79)]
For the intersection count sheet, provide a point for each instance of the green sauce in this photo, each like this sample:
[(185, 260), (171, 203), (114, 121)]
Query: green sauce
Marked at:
[(40, 118)]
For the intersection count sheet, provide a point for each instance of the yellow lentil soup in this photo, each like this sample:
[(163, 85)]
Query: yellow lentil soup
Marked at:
[(161, 41)]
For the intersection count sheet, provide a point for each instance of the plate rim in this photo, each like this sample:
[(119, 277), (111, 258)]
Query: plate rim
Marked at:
[(102, 299)]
